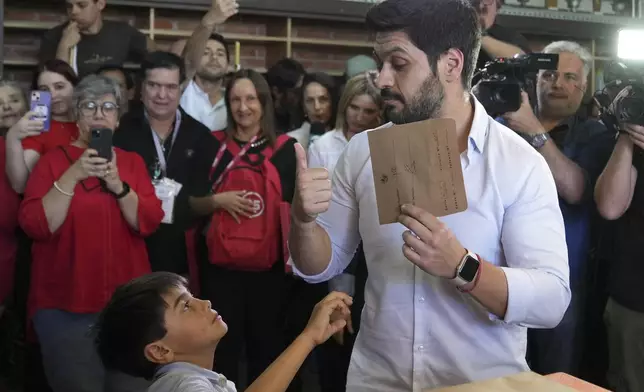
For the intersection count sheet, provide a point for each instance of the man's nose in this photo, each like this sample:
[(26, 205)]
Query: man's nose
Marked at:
[(384, 78)]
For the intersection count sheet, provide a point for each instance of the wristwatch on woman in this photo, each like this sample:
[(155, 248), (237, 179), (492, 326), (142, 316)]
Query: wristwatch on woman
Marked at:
[(124, 192)]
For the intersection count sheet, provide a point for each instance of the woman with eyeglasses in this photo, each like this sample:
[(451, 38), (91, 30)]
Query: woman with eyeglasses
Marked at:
[(27, 141), (87, 216)]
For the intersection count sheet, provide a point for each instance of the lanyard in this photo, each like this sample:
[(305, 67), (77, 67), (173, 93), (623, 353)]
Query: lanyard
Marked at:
[(163, 164), (235, 159)]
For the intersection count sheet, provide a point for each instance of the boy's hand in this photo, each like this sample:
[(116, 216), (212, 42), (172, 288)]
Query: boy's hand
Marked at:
[(329, 316)]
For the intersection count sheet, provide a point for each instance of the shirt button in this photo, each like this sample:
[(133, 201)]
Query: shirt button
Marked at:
[(421, 348), (421, 299)]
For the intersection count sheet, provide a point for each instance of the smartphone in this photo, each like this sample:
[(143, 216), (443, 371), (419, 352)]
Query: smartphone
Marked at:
[(41, 105), (101, 141)]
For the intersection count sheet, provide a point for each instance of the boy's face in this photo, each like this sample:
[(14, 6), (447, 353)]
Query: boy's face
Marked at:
[(192, 326)]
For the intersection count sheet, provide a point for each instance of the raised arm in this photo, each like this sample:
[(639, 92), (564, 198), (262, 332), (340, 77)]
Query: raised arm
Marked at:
[(219, 12)]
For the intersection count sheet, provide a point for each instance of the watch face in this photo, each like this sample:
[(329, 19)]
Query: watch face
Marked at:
[(470, 267)]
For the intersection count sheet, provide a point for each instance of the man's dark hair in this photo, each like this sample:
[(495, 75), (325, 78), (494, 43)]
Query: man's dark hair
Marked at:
[(165, 60), (220, 38), (129, 80), (434, 27), (285, 74), (328, 82), (134, 318)]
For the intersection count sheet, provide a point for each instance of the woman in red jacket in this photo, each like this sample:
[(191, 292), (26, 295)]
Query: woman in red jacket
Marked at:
[(27, 143), (13, 105), (87, 216)]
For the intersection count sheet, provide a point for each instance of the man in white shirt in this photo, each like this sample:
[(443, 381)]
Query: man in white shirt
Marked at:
[(206, 52), (447, 300)]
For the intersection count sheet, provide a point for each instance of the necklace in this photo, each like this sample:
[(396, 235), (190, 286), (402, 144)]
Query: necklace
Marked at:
[(259, 142)]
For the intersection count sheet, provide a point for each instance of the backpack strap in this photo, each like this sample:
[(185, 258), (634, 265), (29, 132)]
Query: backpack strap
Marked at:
[(279, 143)]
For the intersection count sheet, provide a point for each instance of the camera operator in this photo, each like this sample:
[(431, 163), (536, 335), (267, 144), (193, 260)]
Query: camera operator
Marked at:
[(576, 151), (619, 194), (497, 41)]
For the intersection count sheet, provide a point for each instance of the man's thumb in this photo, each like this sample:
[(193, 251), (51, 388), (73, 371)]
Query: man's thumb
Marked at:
[(301, 157)]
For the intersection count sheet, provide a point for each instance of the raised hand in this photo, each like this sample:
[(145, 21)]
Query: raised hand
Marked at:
[(71, 35), (312, 189), (221, 10), (329, 316)]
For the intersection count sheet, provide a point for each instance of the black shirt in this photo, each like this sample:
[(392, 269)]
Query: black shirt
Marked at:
[(506, 35), (189, 160), (116, 43), (627, 267)]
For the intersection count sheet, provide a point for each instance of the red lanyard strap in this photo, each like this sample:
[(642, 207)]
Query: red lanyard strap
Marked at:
[(233, 162)]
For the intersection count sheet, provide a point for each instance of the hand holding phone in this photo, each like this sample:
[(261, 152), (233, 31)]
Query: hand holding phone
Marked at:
[(101, 141), (41, 107)]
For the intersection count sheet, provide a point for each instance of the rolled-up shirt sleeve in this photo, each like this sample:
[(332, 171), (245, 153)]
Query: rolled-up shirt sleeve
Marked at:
[(341, 219), (534, 243)]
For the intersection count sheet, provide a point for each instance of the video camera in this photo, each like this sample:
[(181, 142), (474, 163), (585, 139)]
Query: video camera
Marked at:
[(622, 99), (502, 80)]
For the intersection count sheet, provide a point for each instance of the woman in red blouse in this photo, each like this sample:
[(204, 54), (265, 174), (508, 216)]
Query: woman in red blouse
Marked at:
[(27, 142), (87, 217), (13, 105)]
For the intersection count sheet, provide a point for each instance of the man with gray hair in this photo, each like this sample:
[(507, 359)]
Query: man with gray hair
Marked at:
[(576, 150)]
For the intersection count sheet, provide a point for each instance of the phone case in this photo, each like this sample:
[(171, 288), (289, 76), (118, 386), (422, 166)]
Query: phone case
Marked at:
[(101, 141), (41, 105)]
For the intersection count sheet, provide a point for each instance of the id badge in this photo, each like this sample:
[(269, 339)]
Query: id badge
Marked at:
[(167, 190)]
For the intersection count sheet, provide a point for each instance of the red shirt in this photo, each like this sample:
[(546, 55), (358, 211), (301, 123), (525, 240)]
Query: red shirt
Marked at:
[(77, 268), (9, 200), (59, 134)]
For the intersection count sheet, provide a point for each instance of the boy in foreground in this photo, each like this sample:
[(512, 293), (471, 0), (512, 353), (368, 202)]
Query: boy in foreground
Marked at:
[(154, 328)]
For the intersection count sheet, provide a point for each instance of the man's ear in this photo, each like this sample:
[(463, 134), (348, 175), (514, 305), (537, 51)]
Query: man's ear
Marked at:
[(100, 4), (450, 65), (158, 352)]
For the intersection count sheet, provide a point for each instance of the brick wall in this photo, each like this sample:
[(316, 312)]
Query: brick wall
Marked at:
[(21, 44)]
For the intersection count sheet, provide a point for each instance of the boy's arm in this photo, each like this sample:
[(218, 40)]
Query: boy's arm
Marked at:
[(328, 317)]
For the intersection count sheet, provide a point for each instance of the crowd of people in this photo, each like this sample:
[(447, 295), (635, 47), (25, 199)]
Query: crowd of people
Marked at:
[(255, 194)]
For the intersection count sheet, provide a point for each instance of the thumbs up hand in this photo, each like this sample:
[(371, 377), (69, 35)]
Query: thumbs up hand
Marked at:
[(312, 189)]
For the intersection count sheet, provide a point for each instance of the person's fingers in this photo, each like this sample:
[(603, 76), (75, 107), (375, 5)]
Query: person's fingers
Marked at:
[(300, 153)]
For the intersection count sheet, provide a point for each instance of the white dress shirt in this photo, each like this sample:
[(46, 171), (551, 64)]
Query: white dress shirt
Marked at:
[(420, 332), (197, 104)]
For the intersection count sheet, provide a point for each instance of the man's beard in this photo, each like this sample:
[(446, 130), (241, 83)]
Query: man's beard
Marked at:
[(426, 103), (211, 76)]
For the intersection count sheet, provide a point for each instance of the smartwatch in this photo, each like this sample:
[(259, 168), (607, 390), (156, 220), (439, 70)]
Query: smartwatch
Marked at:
[(467, 270), (124, 192)]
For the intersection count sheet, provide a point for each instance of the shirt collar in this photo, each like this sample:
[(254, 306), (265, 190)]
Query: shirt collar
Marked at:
[(204, 95), (480, 126), (185, 367)]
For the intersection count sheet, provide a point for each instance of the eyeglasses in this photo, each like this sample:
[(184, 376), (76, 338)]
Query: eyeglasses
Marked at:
[(90, 108)]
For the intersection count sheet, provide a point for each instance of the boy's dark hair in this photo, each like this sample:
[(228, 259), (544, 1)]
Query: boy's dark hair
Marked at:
[(165, 60), (220, 38), (434, 27), (284, 74), (129, 81), (329, 83), (134, 318)]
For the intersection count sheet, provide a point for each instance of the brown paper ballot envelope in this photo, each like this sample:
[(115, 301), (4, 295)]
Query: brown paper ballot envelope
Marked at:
[(418, 164)]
